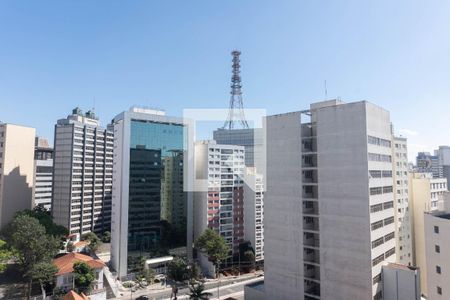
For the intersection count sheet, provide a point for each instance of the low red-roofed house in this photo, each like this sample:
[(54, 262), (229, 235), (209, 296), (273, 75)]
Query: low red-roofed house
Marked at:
[(74, 296), (65, 277)]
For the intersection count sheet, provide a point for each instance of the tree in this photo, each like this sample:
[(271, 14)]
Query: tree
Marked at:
[(194, 271), (59, 293), (150, 275), (106, 237), (84, 277), (214, 246), (94, 241), (177, 269), (44, 273), (250, 258), (197, 292), (27, 236), (45, 219), (5, 255)]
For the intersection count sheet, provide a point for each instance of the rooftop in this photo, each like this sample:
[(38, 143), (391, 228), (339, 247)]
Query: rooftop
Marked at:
[(74, 296), (65, 263)]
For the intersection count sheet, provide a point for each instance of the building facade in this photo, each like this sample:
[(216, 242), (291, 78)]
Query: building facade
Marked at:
[(427, 163), (403, 225), (16, 170), (254, 211), (43, 158), (82, 178), (437, 243), (338, 157), (401, 282), (424, 193), (443, 152), (219, 204), (149, 205)]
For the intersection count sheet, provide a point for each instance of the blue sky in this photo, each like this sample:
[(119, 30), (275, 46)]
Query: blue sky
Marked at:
[(55, 55)]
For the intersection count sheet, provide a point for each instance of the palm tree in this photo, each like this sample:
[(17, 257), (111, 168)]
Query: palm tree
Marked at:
[(198, 292)]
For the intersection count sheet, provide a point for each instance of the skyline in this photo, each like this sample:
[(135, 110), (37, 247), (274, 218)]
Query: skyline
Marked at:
[(177, 55)]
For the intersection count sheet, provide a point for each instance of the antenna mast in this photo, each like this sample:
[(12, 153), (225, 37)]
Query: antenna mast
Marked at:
[(236, 110)]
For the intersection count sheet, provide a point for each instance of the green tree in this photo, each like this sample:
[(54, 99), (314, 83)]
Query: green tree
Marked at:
[(214, 246), (194, 271), (177, 269), (197, 292), (94, 241), (150, 275), (106, 237), (44, 273), (45, 219), (59, 293), (250, 258), (84, 277), (27, 236), (5, 255)]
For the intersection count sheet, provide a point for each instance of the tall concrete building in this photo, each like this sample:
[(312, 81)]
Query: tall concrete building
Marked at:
[(443, 154), (16, 170), (43, 158), (82, 181), (424, 193), (427, 163), (403, 235), (219, 204), (437, 247), (149, 205), (254, 211), (329, 211)]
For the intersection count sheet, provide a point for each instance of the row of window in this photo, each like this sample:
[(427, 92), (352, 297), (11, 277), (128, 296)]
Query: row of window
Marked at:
[(379, 224), (378, 141), (380, 173), (383, 256), (383, 240), (381, 190), (379, 157), (381, 206)]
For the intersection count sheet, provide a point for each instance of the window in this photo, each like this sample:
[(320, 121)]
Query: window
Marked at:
[(388, 221), (377, 279), (436, 229), (387, 189), (379, 157), (389, 236), (439, 290), (376, 191), (377, 242), (437, 248), (377, 260), (376, 225), (376, 207), (375, 173), (438, 269), (389, 252), (389, 204)]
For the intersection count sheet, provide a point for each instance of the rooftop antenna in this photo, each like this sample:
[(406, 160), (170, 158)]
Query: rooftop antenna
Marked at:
[(236, 110), (326, 91)]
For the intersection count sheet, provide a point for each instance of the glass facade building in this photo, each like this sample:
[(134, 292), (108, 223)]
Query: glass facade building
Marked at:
[(150, 205)]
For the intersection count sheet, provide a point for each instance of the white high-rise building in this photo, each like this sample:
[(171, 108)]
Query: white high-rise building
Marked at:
[(254, 211), (403, 224), (16, 170), (82, 182), (43, 158), (329, 211), (218, 204)]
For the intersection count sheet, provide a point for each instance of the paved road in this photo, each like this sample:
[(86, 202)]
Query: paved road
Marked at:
[(234, 288)]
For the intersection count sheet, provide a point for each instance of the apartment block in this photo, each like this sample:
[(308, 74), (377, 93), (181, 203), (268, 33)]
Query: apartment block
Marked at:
[(43, 158), (329, 203), (424, 193), (437, 247), (218, 203), (404, 249), (82, 181), (443, 152), (16, 170), (150, 208), (254, 211)]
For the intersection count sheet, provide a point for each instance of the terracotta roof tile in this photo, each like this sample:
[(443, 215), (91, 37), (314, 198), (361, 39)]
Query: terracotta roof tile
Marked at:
[(74, 296), (65, 263)]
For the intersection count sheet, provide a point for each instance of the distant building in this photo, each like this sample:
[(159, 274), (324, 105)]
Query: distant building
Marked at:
[(82, 181), (219, 204), (328, 207), (437, 246), (16, 170), (424, 193), (254, 211), (43, 158), (400, 282), (444, 160), (403, 236), (149, 204), (427, 163)]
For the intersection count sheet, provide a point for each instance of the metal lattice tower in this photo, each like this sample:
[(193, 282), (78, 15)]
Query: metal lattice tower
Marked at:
[(236, 111)]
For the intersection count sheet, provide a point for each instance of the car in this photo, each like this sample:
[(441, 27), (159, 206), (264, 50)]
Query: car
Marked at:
[(142, 298)]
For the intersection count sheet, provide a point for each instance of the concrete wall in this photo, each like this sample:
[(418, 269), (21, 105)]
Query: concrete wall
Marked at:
[(283, 208), (17, 171), (434, 259), (401, 283), (345, 258)]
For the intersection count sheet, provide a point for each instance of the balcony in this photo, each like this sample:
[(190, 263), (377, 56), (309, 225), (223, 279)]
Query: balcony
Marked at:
[(311, 223), (311, 240), (309, 161), (310, 192), (311, 256), (310, 208), (308, 130), (309, 145), (311, 272), (309, 176), (312, 290)]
